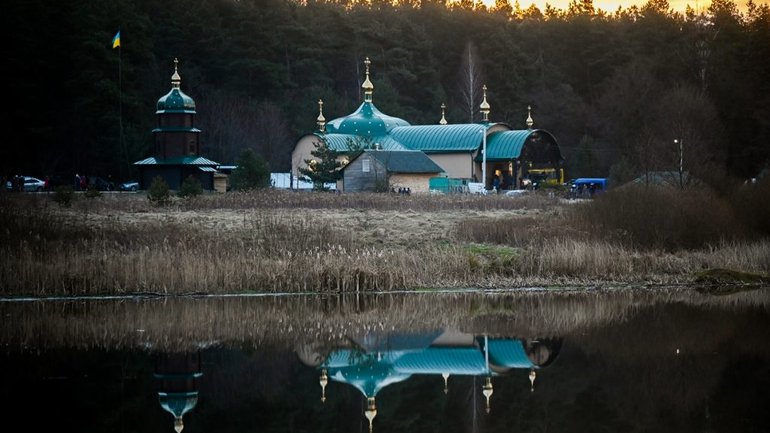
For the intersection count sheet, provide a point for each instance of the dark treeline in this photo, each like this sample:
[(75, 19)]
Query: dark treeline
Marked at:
[(615, 88)]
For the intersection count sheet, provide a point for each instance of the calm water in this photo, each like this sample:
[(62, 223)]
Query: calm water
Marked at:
[(646, 361)]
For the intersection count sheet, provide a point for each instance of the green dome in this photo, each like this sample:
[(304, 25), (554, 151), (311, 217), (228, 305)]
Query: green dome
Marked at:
[(367, 121), (176, 101)]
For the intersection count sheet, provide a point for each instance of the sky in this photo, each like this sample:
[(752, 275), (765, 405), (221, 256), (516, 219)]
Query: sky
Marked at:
[(612, 5)]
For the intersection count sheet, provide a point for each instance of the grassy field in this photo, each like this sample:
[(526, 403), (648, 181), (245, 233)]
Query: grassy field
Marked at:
[(283, 241)]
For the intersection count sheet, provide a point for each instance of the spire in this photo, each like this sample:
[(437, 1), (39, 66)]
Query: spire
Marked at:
[(321, 120), (484, 106), (371, 412), (176, 80), (530, 122), (323, 381), (178, 424), (487, 390), (367, 86), (443, 110), (532, 376), (446, 382)]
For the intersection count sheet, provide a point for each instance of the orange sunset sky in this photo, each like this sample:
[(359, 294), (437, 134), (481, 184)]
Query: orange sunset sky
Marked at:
[(612, 5)]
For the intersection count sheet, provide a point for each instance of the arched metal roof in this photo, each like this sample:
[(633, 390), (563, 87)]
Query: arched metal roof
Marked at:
[(341, 142), (508, 145), (440, 138)]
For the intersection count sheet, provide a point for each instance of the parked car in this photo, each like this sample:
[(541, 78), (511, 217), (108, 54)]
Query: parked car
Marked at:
[(31, 184), (131, 185), (100, 183)]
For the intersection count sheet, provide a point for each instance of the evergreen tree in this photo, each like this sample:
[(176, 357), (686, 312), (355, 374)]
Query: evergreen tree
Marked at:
[(252, 172), (324, 168)]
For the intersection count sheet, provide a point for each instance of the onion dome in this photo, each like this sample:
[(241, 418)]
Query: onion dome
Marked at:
[(487, 390), (443, 111), (484, 107), (371, 412), (178, 404), (321, 120), (367, 120), (368, 87), (175, 101), (530, 122)]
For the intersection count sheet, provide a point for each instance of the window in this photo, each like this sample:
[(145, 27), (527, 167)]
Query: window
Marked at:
[(365, 165)]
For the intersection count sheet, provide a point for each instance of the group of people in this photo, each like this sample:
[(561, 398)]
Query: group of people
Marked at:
[(403, 191), (81, 182)]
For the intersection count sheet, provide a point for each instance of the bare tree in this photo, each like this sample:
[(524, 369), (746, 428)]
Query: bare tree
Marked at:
[(470, 80), (272, 138)]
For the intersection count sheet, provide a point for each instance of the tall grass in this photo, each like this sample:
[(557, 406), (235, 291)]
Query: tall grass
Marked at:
[(121, 244)]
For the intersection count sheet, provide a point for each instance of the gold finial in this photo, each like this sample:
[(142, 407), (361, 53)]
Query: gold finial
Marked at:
[(371, 412), (323, 381), (443, 110), (484, 106), (487, 390), (321, 120), (178, 424), (176, 79), (446, 382), (530, 122), (532, 376), (367, 86)]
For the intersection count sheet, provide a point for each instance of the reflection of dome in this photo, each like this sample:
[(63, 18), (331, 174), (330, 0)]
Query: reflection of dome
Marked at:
[(178, 404)]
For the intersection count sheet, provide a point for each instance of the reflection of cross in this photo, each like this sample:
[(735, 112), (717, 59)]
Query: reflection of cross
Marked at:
[(367, 63), (176, 64)]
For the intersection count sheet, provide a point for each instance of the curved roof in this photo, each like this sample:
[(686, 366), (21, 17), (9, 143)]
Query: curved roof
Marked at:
[(507, 145), (175, 101), (508, 353), (366, 121), (341, 142), (440, 138), (439, 360)]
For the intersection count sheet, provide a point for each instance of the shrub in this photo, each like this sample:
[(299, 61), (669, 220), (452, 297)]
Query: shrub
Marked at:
[(660, 217), (191, 187), (159, 193), (92, 192), (63, 195)]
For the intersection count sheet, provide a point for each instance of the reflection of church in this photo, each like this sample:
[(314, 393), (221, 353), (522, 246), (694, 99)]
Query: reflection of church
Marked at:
[(177, 375), (373, 361)]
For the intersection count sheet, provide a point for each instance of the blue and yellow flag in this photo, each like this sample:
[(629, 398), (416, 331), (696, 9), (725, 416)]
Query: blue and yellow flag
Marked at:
[(116, 40)]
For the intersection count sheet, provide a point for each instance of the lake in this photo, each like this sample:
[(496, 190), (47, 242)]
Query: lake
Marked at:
[(647, 360)]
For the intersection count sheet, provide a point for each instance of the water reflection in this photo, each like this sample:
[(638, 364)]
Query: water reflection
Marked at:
[(375, 360), (664, 361), (178, 375)]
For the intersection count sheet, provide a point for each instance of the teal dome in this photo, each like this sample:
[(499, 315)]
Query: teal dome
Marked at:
[(367, 121), (176, 101)]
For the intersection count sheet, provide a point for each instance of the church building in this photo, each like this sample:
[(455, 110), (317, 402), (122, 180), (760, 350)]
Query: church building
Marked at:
[(176, 153), (457, 149)]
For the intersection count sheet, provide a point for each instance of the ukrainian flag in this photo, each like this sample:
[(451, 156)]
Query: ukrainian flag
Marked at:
[(116, 40)]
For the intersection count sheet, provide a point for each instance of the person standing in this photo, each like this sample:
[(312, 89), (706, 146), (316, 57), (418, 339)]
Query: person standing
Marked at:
[(77, 182)]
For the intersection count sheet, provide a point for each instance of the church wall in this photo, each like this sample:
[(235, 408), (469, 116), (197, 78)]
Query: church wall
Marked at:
[(417, 182), (301, 152), (459, 165)]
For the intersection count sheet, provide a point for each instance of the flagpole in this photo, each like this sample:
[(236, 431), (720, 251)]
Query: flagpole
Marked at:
[(120, 109)]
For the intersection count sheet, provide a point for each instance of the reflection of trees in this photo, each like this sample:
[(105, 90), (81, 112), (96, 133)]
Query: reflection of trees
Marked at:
[(259, 320)]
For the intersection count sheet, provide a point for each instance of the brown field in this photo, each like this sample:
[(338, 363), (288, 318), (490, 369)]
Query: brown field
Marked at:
[(282, 241)]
